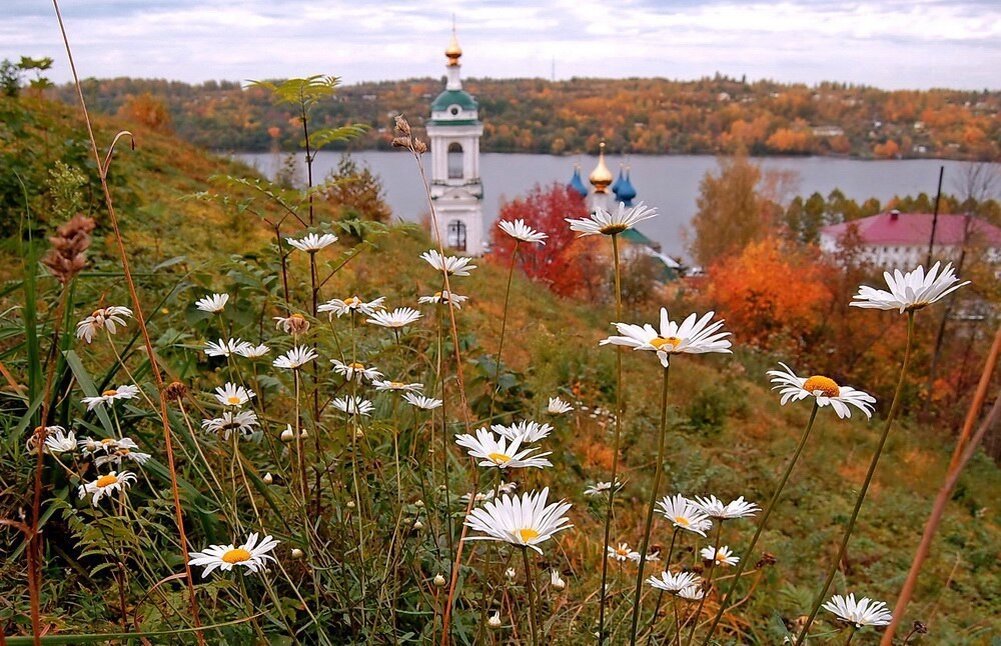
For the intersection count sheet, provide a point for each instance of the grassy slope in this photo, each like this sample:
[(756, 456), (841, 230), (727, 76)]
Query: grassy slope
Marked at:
[(553, 344)]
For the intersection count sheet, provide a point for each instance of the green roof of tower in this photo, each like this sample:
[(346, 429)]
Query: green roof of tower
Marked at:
[(454, 97)]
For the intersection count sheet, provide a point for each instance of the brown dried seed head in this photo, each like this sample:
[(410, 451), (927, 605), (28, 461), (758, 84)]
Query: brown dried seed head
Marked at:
[(175, 391), (420, 147), (402, 142), (66, 258), (402, 126), (920, 628)]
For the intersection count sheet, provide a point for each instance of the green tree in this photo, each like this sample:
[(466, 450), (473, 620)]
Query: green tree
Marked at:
[(356, 192)]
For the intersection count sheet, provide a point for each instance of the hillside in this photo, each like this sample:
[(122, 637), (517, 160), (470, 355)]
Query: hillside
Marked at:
[(637, 116), (728, 434)]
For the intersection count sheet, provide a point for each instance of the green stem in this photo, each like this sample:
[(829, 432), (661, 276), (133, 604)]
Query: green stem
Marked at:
[(531, 596), (500, 345), (658, 473), (660, 594), (894, 410), (709, 580), (746, 557), (851, 635)]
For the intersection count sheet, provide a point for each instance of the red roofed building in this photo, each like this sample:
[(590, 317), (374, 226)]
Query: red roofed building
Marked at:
[(896, 240)]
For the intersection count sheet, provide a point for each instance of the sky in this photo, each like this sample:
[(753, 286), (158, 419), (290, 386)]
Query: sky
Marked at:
[(890, 44)]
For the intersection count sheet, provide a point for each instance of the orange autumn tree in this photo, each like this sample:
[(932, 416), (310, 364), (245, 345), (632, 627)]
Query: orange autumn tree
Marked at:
[(771, 293)]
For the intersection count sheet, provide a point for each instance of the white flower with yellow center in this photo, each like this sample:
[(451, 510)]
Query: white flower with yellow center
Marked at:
[(483, 496), (295, 358), (350, 305), (387, 385), (353, 405), (498, 452), (911, 291), (422, 402), (683, 514), (558, 407), (524, 431), (233, 395), (714, 507), (213, 303), (57, 440), (400, 317), (674, 583), (692, 593), (110, 396), (122, 454), (106, 484), (601, 488), (226, 348), (722, 556), (603, 222), (864, 612), (251, 351), (444, 297), (451, 265), (251, 555), (92, 445), (243, 422), (622, 553), (694, 336), (104, 318), (355, 370), (311, 242), (826, 390), (526, 521), (518, 230)]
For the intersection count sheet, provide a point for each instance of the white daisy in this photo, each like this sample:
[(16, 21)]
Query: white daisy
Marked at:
[(107, 484), (213, 303), (692, 593), (622, 553), (108, 444), (911, 291), (674, 583), (864, 612), (518, 230), (110, 396), (355, 370), (826, 390), (312, 242), (683, 514), (398, 318), (444, 297), (496, 452), (251, 555), (502, 488), (57, 440), (121, 454), (420, 401), (694, 335), (243, 422), (526, 521), (606, 223), (295, 358), (107, 318), (294, 323), (233, 395), (525, 431), (556, 580), (722, 556), (601, 488), (397, 385), (226, 348), (252, 351), (353, 405), (558, 407), (350, 305), (714, 507), (451, 265)]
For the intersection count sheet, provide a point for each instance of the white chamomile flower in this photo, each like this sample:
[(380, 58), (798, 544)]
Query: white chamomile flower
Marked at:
[(251, 555), (451, 265), (213, 303), (607, 223), (692, 593), (400, 317), (233, 395), (225, 348), (104, 318), (525, 431), (106, 484), (444, 297), (526, 521), (826, 390), (312, 242), (353, 405), (864, 612), (694, 336), (251, 351), (622, 553), (92, 445), (110, 396), (295, 358), (714, 507), (355, 370), (243, 422), (556, 580), (911, 291), (674, 583), (683, 514), (397, 386), (121, 454), (422, 402), (601, 488), (558, 407), (483, 496), (498, 452), (57, 440), (518, 230), (350, 305), (722, 556)]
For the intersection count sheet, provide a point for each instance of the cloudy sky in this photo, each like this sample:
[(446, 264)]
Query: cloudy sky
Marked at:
[(886, 43)]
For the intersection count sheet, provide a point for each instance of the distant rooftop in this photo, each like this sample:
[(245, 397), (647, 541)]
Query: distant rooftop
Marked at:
[(895, 228)]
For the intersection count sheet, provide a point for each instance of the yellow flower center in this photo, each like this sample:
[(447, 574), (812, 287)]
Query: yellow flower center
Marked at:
[(97, 313), (621, 551), (109, 393), (296, 317), (104, 481), (681, 520), (500, 458), (526, 534), (352, 301), (612, 229), (396, 384), (356, 366), (233, 400), (719, 557), (827, 386), (239, 555), (661, 341), (437, 295), (106, 441)]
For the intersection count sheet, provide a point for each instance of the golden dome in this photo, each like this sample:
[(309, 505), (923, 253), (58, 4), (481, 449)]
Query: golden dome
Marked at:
[(600, 177), (453, 51)]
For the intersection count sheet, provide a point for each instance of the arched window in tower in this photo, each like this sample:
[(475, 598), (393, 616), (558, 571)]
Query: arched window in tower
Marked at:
[(454, 161), (457, 235)]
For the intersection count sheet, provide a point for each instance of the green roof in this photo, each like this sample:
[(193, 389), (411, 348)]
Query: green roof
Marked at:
[(636, 237), (454, 97)]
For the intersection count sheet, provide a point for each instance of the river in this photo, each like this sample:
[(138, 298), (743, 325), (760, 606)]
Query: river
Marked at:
[(669, 182)]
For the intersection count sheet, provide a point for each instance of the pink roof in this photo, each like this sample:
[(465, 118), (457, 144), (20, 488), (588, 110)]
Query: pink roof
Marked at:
[(915, 229)]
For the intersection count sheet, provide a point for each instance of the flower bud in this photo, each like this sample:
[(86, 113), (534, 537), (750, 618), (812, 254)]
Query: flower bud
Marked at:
[(359, 434), (494, 621), (351, 504), (296, 553), (419, 504), (268, 478), (418, 524), (288, 435), (439, 580)]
